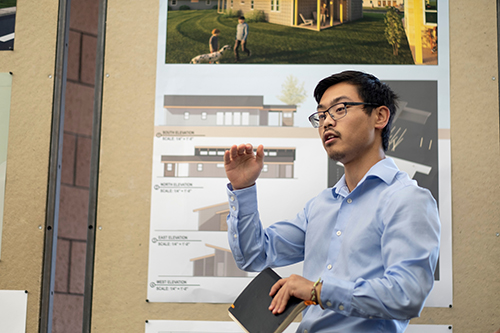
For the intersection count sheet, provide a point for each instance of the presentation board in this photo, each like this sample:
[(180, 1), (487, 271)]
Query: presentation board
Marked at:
[(247, 102)]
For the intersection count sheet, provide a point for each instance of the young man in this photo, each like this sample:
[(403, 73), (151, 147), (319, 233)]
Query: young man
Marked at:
[(241, 38), (371, 241)]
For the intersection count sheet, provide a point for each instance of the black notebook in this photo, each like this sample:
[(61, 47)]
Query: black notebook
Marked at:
[(251, 308)]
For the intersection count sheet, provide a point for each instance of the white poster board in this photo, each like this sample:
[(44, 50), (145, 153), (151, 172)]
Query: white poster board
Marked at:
[(190, 98), (5, 89), (184, 326), (13, 308)]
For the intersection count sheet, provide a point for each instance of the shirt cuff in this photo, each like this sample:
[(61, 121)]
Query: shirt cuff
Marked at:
[(242, 202), (336, 295)]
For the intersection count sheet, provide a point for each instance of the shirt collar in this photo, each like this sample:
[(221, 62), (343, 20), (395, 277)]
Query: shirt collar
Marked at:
[(385, 169)]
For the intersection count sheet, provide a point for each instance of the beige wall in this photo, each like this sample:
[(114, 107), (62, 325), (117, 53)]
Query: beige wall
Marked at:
[(32, 64), (121, 245), (475, 160), (475, 157)]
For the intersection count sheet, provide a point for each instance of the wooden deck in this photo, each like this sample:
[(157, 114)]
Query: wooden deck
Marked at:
[(315, 27)]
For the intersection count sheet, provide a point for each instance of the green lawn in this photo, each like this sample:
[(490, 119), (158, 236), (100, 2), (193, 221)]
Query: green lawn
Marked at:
[(359, 42), (7, 3)]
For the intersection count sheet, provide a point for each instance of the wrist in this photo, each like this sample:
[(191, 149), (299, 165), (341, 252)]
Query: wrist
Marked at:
[(318, 294), (241, 187), (315, 293)]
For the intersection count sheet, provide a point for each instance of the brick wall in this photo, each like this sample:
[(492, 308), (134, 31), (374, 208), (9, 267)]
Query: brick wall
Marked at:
[(72, 232)]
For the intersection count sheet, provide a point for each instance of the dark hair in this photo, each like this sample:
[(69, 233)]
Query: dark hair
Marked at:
[(370, 89), (242, 18)]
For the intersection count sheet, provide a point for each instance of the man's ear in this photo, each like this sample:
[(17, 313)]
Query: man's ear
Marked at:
[(382, 115)]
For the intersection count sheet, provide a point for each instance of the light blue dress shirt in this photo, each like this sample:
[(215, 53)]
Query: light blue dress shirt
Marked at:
[(375, 249)]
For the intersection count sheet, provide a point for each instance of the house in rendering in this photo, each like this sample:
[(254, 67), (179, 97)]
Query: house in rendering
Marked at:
[(213, 218), (209, 162), (192, 4), (192, 110), (420, 24), (219, 263), (383, 3), (302, 13)]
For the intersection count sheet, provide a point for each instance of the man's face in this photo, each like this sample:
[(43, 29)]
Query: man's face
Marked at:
[(350, 138)]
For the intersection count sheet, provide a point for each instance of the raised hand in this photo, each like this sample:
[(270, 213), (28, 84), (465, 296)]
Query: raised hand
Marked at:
[(242, 166)]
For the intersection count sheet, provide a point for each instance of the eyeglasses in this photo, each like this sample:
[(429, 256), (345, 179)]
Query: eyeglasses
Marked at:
[(336, 111)]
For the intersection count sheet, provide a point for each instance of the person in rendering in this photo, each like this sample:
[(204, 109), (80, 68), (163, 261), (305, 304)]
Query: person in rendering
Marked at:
[(213, 43), (241, 38), (370, 244), (324, 13)]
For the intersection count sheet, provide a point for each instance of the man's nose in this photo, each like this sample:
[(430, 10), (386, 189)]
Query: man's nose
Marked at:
[(329, 121)]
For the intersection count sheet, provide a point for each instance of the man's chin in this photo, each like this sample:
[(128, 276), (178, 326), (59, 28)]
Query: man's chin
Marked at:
[(336, 156)]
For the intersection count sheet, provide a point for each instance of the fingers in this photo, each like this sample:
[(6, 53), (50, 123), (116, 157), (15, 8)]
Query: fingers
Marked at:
[(278, 305), (260, 153), (227, 159), (281, 296), (276, 287), (242, 150), (230, 154), (248, 149), (282, 290), (233, 152)]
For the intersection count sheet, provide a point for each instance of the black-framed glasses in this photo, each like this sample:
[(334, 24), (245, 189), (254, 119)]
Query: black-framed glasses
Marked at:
[(336, 111)]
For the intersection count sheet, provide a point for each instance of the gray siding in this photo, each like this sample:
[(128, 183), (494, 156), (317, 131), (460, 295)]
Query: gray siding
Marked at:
[(355, 10), (192, 5)]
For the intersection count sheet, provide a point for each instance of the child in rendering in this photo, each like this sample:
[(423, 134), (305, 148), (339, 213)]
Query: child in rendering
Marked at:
[(213, 43)]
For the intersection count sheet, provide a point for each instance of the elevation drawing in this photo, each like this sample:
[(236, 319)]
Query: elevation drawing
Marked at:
[(192, 110), (209, 162), (221, 261)]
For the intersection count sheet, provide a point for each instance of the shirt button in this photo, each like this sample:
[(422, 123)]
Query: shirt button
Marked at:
[(329, 266), (341, 307), (235, 236), (305, 331), (232, 198), (339, 233), (329, 303), (233, 208), (349, 200)]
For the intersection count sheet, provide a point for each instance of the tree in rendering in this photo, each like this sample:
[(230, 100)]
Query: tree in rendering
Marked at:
[(291, 92), (393, 29)]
